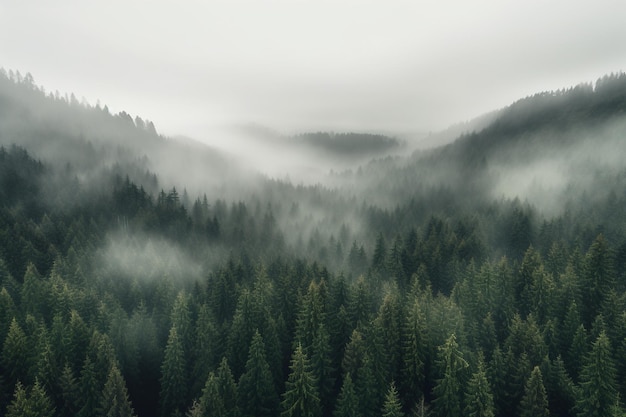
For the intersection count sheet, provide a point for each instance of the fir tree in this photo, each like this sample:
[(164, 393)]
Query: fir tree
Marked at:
[(448, 389), (347, 402), (392, 406), (256, 392), (534, 403), (301, 398), (227, 388), (173, 377), (597, 381), (211, 402), (478, 396), (115, 402)]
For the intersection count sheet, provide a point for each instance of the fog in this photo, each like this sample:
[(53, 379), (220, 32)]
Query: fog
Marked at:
[(392, 67), (560, 166), (133, 256)]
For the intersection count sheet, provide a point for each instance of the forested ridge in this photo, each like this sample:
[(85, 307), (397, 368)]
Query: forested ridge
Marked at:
[(141, 276)]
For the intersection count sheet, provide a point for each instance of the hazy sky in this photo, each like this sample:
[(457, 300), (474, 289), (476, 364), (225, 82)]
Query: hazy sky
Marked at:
[(300, 65)]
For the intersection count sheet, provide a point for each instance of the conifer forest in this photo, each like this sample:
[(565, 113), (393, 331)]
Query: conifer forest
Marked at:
[(145, 275)]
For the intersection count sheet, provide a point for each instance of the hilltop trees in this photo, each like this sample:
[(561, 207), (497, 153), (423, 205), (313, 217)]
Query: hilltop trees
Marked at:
[(411, 286)]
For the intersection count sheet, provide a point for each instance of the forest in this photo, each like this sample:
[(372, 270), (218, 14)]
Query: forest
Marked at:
[(145, 276)]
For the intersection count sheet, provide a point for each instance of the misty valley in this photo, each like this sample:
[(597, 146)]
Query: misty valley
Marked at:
[(313, 274)]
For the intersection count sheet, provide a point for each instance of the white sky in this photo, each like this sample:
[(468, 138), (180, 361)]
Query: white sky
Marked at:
[(294, 65)]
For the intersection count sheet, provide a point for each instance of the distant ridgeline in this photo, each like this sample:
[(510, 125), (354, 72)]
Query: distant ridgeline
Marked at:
[(347, 144), (144, 276)]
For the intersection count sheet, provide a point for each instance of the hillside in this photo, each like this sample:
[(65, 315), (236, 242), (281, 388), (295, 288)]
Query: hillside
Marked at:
[(146, 275)]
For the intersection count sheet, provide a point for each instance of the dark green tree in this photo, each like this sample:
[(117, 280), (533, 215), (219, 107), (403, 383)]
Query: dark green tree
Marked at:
[(448, 390), (211, 402), (301, 397), (115, 401), (414, 349), (172, 399), (534, 403), (227, 388), (15, 353), (256, 392), (392, 406), (35, 403), (598, 389), (347, 402), (598, 278), (478, 396)]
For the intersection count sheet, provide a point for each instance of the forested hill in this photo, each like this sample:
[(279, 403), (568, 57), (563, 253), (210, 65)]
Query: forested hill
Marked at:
[(144, 276)]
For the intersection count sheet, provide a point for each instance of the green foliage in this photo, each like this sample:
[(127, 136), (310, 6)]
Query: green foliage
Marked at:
[(598, 390), (535, 401), (478, 396), (256, 392), (392, 406), (361, 278), (173, 376), (448, 389), (301, 397), (347, 402), (115, 402)]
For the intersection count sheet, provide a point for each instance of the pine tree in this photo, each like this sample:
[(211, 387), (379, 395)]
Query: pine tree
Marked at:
[(211, 402), (227, 388), (204, 352), (173, 377), (321, 366), (535, 401), (115, 402), (20, 406), (598, 388), (256, 392), (392, 406), (41, 404), (14, 353), (347, 402), (448, 389), (35, 403), (414, 350), (301, 398), (89, 389), (478, 396), (70, 393)]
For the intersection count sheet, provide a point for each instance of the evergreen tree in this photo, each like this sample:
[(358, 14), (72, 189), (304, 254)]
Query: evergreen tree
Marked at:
[(70, 392), (14, 353), (227, 389), (347, 402), (33, 404), (598, 389), (211, 402), (478, 396), (89, 389), (321, 366), (448, 388), (598, 277), (392, 406), (172, 399), (115, 402), (301, 398), (535, 401), (256, 392), (414, 350), (20, 406)]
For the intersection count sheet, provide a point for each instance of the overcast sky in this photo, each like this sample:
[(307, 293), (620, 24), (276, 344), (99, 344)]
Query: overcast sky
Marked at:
[(306, 65)]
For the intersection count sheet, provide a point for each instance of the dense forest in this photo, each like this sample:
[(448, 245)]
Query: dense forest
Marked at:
[(145, 276)]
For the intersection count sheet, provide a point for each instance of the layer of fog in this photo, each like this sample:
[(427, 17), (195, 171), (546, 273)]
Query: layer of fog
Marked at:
[(550, 176), (138, 257)]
